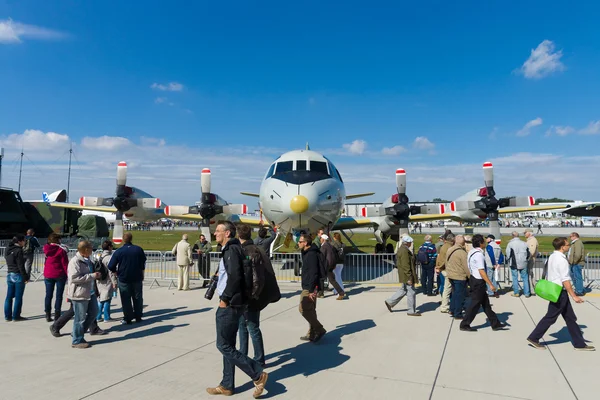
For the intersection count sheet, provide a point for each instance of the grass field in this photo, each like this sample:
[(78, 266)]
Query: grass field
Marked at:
[(164, 241)]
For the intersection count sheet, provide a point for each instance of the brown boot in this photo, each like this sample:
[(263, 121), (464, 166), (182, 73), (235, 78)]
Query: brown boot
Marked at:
[(259, 385), (82, 345), (219, 390)]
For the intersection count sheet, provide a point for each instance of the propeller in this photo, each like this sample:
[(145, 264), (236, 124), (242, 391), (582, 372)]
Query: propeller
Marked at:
[(208, 207), (122, 201)]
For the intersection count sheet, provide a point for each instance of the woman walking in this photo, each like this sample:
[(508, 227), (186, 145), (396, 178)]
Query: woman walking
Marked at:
[(55, 275), (16, 279), (106, 286)]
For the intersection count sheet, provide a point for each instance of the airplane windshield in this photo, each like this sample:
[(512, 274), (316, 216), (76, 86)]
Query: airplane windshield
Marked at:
[(285, 172)]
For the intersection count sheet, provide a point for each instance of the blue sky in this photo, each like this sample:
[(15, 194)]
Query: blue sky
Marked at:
[(436, 88)]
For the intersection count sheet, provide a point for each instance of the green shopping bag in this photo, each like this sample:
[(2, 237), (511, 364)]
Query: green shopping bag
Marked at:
[(548, 290)]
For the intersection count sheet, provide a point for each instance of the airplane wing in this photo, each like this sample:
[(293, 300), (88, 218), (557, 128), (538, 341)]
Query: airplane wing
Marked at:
[(250, 194), (509, 210), (429, 217), (357, 195), (78, 207), (584, 210), (352, 223)]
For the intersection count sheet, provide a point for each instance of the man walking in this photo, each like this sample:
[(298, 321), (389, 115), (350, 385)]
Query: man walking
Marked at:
[(203, 248), (532, 245), (31, 245), (458, 274), (427, 256), (577, 262), (232, 303), (558, 273), (539, 230), (183, 251), (331, 262), (441, 268), (493, 258), (129, 263), (518, 254), (405, 262), (311, 279), (478, 281)]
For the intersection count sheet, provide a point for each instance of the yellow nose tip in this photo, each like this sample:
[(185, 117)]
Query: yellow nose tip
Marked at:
[(299, 204)]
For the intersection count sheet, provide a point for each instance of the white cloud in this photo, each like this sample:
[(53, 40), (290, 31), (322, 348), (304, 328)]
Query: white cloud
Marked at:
[(543, 61), (16, 32), (33, 139), (560, 130), (422, 143), (393, 151), (526, 130), (169, 87), (105, 142), (593, 128), (160, 100), (356, 147)]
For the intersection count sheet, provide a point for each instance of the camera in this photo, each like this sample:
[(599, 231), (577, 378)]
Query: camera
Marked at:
[(212, 286)]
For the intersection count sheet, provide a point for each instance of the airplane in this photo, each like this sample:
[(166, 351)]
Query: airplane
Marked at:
[(131, 202)]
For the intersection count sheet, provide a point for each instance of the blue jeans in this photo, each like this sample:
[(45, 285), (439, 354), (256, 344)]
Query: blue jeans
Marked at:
[(132, 300), (524, 277), (492, 277), (227, 323), (457, 301), (15, 290), (441, 281), (250, 324), (577, 276), (85, 313), (60, 289), (103, 310)]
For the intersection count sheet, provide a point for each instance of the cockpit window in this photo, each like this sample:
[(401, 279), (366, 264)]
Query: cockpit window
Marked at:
[(301, 165), (271, 171), (319, 166), (301, 174), (284, 167)]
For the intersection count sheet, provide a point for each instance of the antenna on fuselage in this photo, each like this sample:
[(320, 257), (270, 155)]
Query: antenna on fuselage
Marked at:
[(307, 146)]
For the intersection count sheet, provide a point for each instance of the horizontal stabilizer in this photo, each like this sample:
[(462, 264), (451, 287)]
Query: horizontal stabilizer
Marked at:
[(357, 195), (250, 194)]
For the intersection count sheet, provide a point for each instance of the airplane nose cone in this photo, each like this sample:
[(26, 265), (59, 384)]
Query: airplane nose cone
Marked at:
[(299, 204)]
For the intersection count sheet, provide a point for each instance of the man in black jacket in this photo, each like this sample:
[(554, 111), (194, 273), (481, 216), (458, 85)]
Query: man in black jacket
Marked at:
[(311, 277), (232, 305), (331, 260)]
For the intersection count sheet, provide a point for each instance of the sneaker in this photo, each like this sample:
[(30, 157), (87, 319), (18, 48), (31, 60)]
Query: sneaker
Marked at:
[(468, 329), (219, 390), (8, 320), (54, 332), (388, 306), (586, 348), (416, 314), (499, 327), (536, 345), (82, 345), (515, 294), (259, 385), (98, 332), (341, 297), (318, 336), (125, 322)]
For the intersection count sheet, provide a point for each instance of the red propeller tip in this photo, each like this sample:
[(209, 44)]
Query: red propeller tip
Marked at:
[(244, 209), (122, 164), (157, 203), (487, 165), (453, 206), (206, 171), (400, 171), (531, 201), (167, 210), (81, 201), (117, 241), (442, 209), (364, 211)]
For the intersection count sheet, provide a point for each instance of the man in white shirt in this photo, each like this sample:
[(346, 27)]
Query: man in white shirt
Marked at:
[(478, 281), (558, 272)]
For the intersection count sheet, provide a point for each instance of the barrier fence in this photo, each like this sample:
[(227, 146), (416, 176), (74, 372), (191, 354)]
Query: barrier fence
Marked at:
[(358, 268)]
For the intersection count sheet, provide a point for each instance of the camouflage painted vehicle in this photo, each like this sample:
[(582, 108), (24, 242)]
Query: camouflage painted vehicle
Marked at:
[(13, 218)]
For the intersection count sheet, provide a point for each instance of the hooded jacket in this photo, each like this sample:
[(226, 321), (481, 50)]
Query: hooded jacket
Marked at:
[(57, 261), (270, 292), (15, 261), (311, 268)]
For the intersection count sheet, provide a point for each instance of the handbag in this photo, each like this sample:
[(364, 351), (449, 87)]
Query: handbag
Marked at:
[(548, 290)]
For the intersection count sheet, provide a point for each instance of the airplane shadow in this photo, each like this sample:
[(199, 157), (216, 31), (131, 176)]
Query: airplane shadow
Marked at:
[(309, 358)]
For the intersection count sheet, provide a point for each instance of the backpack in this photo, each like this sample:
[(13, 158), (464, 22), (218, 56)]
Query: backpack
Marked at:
[(254, 271), (339, 253), (27, 248), (100, 267), (422, 255)]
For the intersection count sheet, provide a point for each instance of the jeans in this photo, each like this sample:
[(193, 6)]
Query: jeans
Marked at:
[(411, 297), (15, 290), (227, 323), (103, 310), (492, 276), (60, 289), (524, 277), (85, 312), (338, 276), (427, 274), (250, 324), (131, 293), (457, 302), (441, 282), (577, 277)]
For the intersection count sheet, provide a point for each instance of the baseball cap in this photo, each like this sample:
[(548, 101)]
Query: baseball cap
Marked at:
[(407, 239), (491, 237), (325, 237)]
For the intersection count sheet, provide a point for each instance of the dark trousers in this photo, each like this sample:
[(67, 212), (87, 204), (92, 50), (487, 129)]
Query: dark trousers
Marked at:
[(479, 298), (427, 274), (308, 309), (59, 283), (457, 301), (333, 281), (250, 325), (132, 300), (61, 321), (561, 307), (204, 268), (227, 321)]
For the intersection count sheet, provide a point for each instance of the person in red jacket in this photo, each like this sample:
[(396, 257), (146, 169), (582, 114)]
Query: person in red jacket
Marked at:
[(55, 274)]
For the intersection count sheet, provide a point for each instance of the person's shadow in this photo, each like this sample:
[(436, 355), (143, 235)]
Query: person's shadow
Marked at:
[(563, 336), (309, 358), (502, 317)]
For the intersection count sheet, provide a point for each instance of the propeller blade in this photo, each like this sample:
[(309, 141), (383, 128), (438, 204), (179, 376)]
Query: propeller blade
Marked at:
[(122, 174), (95, 201), (151, 202), (206, 232), (488, 174), (462, 205), (401, 181), (517, 201), (176, 210), (118, 229), (205, 180), (431, 209), (235, 209), (370, 212)]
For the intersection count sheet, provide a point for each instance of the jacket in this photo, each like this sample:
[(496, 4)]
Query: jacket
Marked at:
[(205, 247), (15, 261), (183, 251), (57, 261), (233, 259), (311, 268), (270, 292), (532, 244), (440, 262), (131, 262), (330, 258), (80, 278), (517, 253), (577, 253), (457, 267), (493, 254), (405, 262), (106, 287), (265, 243), (431, 253), (34, 244)]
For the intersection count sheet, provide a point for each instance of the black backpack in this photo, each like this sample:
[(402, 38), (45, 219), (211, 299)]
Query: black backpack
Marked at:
[(422, 255), (100, 267), (254, 271)]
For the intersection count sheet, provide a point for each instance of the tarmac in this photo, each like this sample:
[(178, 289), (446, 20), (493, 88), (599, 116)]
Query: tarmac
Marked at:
[(368, 352)]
